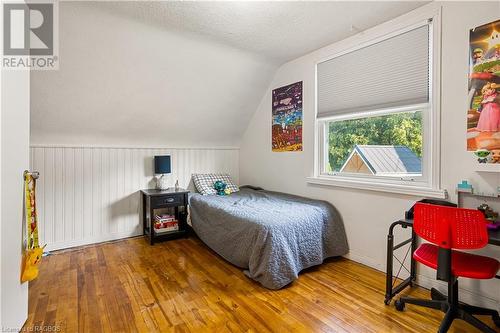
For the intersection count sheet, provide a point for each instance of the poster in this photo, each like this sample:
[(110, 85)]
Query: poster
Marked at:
[(287, 118), (483, 115)]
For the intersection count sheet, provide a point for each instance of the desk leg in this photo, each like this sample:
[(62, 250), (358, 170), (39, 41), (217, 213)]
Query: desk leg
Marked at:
[(390, 288), (388, 275), (413, 265)]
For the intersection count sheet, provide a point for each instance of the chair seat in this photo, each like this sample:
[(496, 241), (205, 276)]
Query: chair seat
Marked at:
[(462, 264)]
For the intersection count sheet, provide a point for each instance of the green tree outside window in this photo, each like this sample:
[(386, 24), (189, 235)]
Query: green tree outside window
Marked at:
[(403, 129)]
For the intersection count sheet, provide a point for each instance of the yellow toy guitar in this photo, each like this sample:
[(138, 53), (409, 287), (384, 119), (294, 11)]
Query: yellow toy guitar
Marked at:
[(33, 253)]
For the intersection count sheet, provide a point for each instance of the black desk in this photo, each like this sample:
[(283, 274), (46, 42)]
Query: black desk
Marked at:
[(391, 289)]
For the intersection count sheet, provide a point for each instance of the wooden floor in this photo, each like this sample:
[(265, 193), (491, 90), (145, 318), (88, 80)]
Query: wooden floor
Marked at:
[(182, 286)]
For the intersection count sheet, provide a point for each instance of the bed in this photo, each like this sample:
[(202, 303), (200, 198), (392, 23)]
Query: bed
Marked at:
[(271, 235)]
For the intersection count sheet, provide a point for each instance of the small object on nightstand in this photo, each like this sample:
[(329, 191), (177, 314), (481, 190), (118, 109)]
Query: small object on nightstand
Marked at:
[(164, 214), (177, 185)]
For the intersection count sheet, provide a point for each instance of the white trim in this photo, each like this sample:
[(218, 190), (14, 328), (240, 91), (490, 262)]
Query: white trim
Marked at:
[(420, 177), (94, 240), (487, 167), (101, 146), (376, 113), (435, 97), (365, 260), (371, 185)]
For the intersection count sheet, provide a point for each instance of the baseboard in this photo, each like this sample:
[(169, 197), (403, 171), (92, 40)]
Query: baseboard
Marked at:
[(466, 295), (93, 240), (370, 262)]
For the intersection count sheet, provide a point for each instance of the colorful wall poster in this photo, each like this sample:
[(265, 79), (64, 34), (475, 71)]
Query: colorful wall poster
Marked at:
[(483, 116), (287, 118)]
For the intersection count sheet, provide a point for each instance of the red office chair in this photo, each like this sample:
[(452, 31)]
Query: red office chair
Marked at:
[(452, 228)]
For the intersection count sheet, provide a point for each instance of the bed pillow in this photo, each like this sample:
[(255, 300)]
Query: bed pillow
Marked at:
[(204, 182)]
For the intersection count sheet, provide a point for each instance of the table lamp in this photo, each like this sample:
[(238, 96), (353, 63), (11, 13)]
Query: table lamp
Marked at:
[(162, 167)]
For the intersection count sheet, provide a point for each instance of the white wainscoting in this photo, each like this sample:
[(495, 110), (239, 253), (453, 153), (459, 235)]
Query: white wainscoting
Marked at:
[(90, 194)]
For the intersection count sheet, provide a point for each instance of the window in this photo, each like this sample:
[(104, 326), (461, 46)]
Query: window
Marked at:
[(386, 145), (376, 119)]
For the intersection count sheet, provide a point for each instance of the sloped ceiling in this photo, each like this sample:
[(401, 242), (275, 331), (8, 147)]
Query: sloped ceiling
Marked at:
[(177, 74), (277, 30)]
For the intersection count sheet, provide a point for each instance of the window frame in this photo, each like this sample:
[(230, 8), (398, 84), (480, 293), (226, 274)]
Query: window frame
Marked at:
[(323, 141), (429, 183)]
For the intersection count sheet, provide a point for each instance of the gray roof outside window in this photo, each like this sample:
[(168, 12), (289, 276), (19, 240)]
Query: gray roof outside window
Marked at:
[(388, 160)]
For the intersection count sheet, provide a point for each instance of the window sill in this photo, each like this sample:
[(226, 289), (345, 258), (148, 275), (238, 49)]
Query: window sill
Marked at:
[(379, 186)]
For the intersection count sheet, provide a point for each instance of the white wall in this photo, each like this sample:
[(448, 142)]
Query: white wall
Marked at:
[(14, 154), (123, 81), (88, 195), (368, 214)]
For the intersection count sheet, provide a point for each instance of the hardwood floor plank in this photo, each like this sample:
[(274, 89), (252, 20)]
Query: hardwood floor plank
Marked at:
[(183, 286)]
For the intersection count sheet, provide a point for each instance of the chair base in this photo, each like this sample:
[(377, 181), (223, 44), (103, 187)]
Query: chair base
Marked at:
[(452, 309)]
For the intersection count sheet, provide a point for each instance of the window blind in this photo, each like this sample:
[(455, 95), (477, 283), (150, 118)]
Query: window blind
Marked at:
[(393, 72)]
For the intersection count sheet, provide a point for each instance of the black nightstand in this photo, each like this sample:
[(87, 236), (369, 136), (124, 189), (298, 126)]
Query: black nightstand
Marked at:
[(160, 202)]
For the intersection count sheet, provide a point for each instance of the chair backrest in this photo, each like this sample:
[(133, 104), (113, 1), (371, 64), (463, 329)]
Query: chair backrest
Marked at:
[(449, 227)]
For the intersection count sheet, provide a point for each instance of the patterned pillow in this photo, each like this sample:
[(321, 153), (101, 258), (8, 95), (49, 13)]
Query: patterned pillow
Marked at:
[(204, 182)]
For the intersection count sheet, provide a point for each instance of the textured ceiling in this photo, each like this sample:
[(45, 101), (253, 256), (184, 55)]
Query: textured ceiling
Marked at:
[(178, 73), (279, 31), (122, 82)]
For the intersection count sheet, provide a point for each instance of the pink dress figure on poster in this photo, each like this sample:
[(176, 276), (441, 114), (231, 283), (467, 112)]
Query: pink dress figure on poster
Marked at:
[(489, 120)]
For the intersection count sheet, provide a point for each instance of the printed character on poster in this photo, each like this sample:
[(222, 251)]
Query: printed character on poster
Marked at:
[(483, 117), (287, 118)]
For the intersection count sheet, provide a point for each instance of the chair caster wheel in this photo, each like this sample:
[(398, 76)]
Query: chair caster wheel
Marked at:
[(387, 301), (400, 306)]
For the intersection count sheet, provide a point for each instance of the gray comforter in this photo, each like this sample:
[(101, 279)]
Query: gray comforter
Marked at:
[(272, 235)]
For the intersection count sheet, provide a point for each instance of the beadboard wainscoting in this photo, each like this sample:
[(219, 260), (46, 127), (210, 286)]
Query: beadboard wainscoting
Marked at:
[(91, 194)]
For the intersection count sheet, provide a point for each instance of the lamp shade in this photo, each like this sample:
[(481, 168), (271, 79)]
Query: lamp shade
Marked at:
[(162, 164)]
